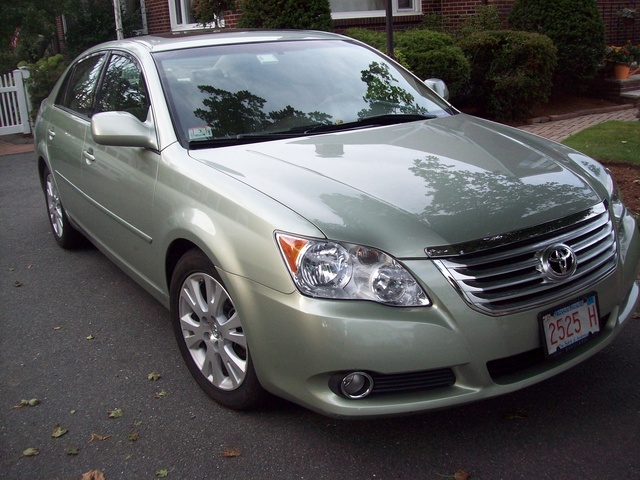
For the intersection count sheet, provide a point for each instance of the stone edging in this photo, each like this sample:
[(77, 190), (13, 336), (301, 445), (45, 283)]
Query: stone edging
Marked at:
[(580, 113)]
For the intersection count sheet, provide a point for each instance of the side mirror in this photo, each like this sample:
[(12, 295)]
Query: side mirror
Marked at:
[(438, 86), (121, 129)]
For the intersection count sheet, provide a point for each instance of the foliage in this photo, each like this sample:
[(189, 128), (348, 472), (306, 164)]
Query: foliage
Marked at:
[(44, 75), (290, 14), (90, 22), (486, 18), (609, 141), (428, 54), (627, 13), (25, 31), (620, 55), (575, 27), (373, 38), (431, 54), (208, 12), (511, 71)]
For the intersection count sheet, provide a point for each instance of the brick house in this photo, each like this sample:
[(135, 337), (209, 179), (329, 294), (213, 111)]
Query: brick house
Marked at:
[(166, 16), (163, 16)]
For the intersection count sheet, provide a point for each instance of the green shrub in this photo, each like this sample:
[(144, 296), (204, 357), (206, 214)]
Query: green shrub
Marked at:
[(486, 18), (426, 53), (373, 38), (44, 75), (574, 26), (298, 14), (511, 72), (431, 54)]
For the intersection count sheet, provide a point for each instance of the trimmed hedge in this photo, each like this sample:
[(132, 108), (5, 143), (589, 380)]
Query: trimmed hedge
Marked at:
[(574, 26), (296, 14), (426, 53), (511, 71)]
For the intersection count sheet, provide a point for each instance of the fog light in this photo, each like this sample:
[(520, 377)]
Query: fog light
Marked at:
[(356, 385)]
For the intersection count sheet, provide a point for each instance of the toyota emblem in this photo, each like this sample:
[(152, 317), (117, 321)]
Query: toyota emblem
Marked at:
[(558, 262)]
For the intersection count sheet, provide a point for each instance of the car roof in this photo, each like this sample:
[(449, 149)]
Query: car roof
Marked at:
[(161, 43)]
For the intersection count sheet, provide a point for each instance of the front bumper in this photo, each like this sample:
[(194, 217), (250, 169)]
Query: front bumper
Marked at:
[(298, 343)]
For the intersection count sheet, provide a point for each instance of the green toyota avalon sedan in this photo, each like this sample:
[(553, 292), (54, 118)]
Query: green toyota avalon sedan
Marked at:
[(326, 228)]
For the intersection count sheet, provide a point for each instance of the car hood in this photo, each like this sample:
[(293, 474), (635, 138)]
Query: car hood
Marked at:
[(405, 187)]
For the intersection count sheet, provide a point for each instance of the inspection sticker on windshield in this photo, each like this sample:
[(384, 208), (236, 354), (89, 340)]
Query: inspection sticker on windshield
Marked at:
[(569, 325), (198, 133)]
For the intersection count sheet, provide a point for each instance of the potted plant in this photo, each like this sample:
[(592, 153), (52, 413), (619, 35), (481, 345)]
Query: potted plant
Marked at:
[(621, 58), (627, 15)]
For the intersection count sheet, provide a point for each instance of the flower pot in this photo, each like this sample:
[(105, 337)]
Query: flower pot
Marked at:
[(621, 72)]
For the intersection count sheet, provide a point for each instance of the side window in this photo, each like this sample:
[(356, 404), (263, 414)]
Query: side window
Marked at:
[(123, 88), (80, 85)]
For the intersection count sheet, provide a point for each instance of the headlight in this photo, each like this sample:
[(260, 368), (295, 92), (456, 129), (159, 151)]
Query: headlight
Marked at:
[(619, 210), (328, 269)]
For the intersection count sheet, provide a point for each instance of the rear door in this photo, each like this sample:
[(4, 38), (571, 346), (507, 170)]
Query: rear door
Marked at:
[(68, 127)]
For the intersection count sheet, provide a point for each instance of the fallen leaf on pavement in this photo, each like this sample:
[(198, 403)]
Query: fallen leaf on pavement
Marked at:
[(93, 475), (231, 452), (72, 451), (461, 474), (133, 436), (117, 413), (27, 403), (31, 452), (516, 415), (58, 431), (100, 438), (17, 283), (160, 394), (91, 337), (162, 473), (153, 376)]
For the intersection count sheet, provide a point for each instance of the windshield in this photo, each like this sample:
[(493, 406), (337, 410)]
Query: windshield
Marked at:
[(254, 90)]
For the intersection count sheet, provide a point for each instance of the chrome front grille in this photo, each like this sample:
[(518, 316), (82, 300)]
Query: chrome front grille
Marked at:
[(504, 274)]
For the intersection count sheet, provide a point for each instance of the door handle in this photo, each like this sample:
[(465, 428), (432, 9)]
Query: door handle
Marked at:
[(51, 133), (89, 156)]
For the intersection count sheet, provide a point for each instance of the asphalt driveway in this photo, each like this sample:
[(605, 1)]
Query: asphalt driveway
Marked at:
[(98, 354)]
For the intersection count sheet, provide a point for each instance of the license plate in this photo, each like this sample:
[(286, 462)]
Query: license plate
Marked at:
[(569, 325)]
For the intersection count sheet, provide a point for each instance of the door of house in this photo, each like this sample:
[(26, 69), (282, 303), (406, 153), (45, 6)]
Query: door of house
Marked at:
[(14, 103)]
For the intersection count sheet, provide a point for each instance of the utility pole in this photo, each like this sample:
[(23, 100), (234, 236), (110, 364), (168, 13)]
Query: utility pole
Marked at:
[(389, 24), (118, 17)]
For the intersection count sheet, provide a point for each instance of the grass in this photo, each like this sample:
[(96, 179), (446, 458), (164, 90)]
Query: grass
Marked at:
[(612, 141)]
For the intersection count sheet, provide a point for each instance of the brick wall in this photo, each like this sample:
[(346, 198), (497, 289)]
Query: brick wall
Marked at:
[(158, 19)]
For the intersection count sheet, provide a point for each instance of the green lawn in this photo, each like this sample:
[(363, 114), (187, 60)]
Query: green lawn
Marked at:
[(612, 141)]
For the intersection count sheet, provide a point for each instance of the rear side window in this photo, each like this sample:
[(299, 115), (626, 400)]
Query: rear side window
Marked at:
[(123, 88), (77, 94)]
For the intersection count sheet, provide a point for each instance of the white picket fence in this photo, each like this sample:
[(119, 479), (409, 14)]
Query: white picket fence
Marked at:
[(14, 103)]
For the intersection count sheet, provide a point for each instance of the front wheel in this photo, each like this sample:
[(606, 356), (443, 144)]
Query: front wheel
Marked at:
[(210, 334)]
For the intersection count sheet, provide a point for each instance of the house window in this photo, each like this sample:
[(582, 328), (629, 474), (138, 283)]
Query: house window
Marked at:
[(181, 12), (372, 8)]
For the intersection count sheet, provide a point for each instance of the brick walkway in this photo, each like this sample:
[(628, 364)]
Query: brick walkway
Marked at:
[(563, 126), (555, 128)]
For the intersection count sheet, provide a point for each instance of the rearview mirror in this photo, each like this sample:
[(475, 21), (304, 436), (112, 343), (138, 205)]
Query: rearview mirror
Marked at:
[(438, 86), (122, 129)]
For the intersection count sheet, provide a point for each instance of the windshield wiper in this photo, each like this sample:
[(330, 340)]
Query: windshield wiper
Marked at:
[(376, 120), (373, 121)]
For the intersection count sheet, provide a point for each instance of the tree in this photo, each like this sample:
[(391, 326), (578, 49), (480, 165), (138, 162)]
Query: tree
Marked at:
[(26, 30), (208, 12), (296, 14), (574, 26)]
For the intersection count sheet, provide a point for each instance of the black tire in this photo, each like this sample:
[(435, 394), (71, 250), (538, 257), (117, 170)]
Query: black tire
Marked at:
[(210, 334), (64, 233)]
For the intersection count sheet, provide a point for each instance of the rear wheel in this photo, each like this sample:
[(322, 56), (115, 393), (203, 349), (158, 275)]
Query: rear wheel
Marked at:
[(210, 334), (66, 236)]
